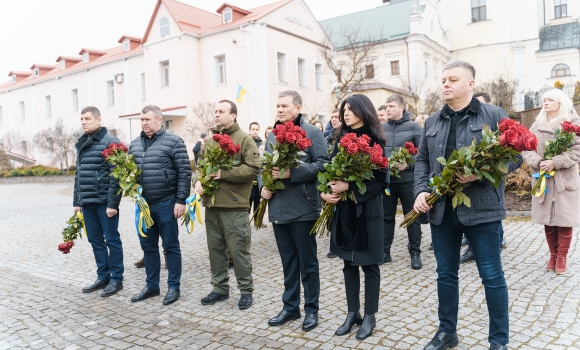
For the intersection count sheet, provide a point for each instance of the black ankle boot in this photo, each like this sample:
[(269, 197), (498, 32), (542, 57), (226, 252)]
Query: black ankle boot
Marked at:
[(366, 329), (351, 319)]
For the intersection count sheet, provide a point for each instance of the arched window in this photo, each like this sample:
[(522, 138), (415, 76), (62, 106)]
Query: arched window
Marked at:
[(227, 15), (164, 26), (561, 70)]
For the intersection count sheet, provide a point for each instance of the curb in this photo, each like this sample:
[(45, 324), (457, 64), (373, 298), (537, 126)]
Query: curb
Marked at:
[(507, 213), (37, 179)]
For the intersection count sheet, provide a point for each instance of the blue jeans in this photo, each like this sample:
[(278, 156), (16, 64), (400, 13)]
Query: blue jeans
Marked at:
[(103, 235), (485, 242), (165, 225)]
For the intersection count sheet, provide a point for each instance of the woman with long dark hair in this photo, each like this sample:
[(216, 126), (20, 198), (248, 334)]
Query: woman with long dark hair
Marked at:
[(357, 226)]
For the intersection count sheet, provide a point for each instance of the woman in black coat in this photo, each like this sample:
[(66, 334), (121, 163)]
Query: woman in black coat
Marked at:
[(357, 226)]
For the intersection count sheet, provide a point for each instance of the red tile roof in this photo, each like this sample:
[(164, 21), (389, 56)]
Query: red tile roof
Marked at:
[(43, 66), (96, 52), (132, 38), (225, 4), (68, 58), (19, 73)]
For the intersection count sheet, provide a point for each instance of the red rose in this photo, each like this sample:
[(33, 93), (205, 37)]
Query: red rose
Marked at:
[(303, 144), (352, 148), (410, 147), (511, 137), (377, 158), (301, 132), (506, 124), (224, 143), (238, 148), (231, 149), (362, 142), (217, 137), (345, 142), (298, 135), (289, 126), (290, 137), (384, 163), (106, 153), (520, 144), (281, 136), (366, 149)]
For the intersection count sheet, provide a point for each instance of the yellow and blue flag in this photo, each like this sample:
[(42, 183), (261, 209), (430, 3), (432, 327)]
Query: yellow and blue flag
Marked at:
[(240, 94)]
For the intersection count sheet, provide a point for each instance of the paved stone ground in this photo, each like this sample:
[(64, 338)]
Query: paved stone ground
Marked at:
[(42, 306)]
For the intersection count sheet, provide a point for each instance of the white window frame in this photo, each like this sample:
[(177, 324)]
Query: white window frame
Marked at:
[(218, 67), (301, 72), (74, 100), (168, 125), (85, 57), (164, 79), (561, 6), (164, 27), (284, 65), (227, 11), (1, 116), (13, 78), (22, 110), (110, 92), (319, 76), (36, 71), (47, 106), (143, 86), (126, 45), (62, 64)]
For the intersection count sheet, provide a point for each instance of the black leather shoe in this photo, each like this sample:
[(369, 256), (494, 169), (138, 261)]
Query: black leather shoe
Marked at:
[(331, 255), (442, 341), (245, 301), (283, 317), (171, 296), (352, 318), (467, 256), (99, 284), (430, 246), (416, 263), (387, 258), (310, 322), (213, 298), (366, 329), (498, 347), (145, 293), (112, 288)]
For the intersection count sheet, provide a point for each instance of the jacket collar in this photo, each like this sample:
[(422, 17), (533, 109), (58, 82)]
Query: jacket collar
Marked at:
[(97, 136), (474, 106), (228, 131), (297, 121), (158, 133), (406, 117)]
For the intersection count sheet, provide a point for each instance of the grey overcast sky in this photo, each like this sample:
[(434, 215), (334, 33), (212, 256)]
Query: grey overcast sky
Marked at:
[(38, 31)]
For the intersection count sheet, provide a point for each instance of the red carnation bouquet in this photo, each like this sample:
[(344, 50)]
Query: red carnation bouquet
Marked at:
[(220, 156), (127, 172), (403, 156), (487, 159), (76, 224), (354, 162), (563, 140), (291, 141)]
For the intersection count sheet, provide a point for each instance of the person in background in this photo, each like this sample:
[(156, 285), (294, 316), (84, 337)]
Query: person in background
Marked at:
[(382, 113), (330, 139), (199, 145), (255, 194), (558, 208), (318, 124), (421, 119), (267, 132)]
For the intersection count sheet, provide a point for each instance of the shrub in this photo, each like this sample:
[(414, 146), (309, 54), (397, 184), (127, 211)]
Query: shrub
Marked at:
[(520, 180), (16, 172)]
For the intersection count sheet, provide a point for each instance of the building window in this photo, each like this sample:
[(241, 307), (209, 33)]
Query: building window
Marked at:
[(164, 73), (560, 8), (143, 96), (62, 64), (221, 77), (163, 26), (478, 11), (126, 45), (110, 93), (85, 57), (281, 68), (227, 15), (169, 125), (74, 100), (13, 78), (47, 106), (395, 70), (301, 72), (22, 111), (1, 117), (426, 68), (370, 71), (36, 72), (318, 74), (561, 70)]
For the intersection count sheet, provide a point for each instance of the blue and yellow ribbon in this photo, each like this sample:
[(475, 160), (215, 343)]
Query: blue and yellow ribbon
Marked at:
[(80, 216), (192, 212), (541, 176), (388, 192), (434, 188), (142, 214)]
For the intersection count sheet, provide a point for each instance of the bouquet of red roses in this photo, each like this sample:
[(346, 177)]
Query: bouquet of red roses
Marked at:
[(403, 156), (489, 159), (127, 172), (76, 224), (563, 139), (216, 158), (354, 162), (291, 142)]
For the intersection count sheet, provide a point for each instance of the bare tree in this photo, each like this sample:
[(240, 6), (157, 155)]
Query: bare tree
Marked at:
[(57, 141), (204, 121), (11, 141), (349, 55), (419, 96), (5, 163), (502, 91)]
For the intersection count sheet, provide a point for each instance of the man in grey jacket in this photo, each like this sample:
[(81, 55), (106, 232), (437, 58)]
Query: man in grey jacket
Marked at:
[(456, 125), (95, 193), (293, 212), (399, 129)]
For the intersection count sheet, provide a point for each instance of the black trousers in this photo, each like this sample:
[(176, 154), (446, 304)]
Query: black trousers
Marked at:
[(352, 287), (255, 198), (297, 248), (404, 192)]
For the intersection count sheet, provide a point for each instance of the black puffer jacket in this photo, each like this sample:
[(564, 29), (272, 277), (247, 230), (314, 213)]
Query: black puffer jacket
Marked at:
[(166, 171), (93, 185), (397, 133)]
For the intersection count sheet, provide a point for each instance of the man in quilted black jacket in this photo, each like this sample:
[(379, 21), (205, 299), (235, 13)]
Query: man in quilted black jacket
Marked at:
[(166, 181)]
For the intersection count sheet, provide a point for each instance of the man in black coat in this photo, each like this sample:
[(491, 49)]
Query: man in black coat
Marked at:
[(166, 181), (95, 194), (199, 145), (399, 129), (293, 212), (255, 194)]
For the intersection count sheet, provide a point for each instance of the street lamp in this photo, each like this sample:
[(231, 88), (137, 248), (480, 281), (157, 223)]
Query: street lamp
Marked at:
[(339, 95)]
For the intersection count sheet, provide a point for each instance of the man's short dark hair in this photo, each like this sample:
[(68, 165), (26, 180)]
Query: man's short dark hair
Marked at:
[(382, 108), (233, 108), (253, 123), (152, 108), (94, 111), (296, 98), (335, 111), (485, 96), (462, 64), (396, 98)]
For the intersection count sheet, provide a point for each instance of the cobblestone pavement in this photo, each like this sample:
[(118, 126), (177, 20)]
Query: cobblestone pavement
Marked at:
[(42, 306)]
